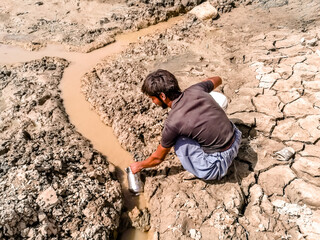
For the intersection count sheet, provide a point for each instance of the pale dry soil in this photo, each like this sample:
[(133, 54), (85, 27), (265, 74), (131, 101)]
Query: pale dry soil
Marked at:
[(268, 55), (55, 185), (80, 25)]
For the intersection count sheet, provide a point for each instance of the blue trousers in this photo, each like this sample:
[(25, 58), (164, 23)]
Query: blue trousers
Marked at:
[(203, 165)]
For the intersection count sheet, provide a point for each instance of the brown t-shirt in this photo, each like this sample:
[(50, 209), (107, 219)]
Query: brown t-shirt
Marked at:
[(195, 114)]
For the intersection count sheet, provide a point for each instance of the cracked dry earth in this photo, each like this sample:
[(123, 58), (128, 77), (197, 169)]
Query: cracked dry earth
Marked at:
[(53, 184), (269, 57)]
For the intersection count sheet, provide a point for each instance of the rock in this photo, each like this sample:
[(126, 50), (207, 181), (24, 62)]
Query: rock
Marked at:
[(47, 198), (204, 11), (140, 219), (194, 234), (312, 42)]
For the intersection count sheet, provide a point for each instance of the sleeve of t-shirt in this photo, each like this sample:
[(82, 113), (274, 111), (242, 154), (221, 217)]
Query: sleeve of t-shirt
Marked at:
[(206, 86), (169, 136)]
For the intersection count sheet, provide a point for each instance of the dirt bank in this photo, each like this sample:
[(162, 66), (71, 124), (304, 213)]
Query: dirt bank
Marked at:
[(53, 184), (268, 56), (81, 25)]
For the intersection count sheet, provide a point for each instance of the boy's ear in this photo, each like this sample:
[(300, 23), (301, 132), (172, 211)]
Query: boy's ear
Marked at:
[(163, 96)]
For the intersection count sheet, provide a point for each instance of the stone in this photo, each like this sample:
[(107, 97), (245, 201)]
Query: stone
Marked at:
[(274, 59), (204, 11), (194, 234), (47, 198), (274, 180), (243, 118), (312, 42)]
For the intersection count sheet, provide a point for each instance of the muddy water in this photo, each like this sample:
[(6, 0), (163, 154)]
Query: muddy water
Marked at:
[(86, 121)]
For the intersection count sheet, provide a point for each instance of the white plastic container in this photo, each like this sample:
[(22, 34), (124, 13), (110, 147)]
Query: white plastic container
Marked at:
[(220, 99)]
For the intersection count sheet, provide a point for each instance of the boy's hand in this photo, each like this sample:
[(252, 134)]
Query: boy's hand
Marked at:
[(135, 167)]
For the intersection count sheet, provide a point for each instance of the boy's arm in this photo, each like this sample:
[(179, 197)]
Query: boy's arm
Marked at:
[(217, 81), (155, 159)]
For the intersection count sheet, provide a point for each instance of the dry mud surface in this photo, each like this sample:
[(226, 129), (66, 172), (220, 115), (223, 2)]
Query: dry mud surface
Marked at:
[(53, 184), (80, 25), (269, 57)]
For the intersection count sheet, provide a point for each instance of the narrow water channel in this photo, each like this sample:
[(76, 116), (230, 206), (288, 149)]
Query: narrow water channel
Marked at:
[(86, 121)]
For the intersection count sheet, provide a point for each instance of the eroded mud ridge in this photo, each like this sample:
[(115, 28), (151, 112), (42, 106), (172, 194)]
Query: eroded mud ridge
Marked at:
[(84, 25), (53, 184), (271, 68)]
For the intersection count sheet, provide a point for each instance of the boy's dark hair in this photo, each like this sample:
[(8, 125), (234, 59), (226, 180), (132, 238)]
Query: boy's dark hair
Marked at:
[(161, 81)]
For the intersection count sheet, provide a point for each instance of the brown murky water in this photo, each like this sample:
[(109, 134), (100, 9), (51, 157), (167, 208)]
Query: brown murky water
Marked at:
[(86, 121)]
